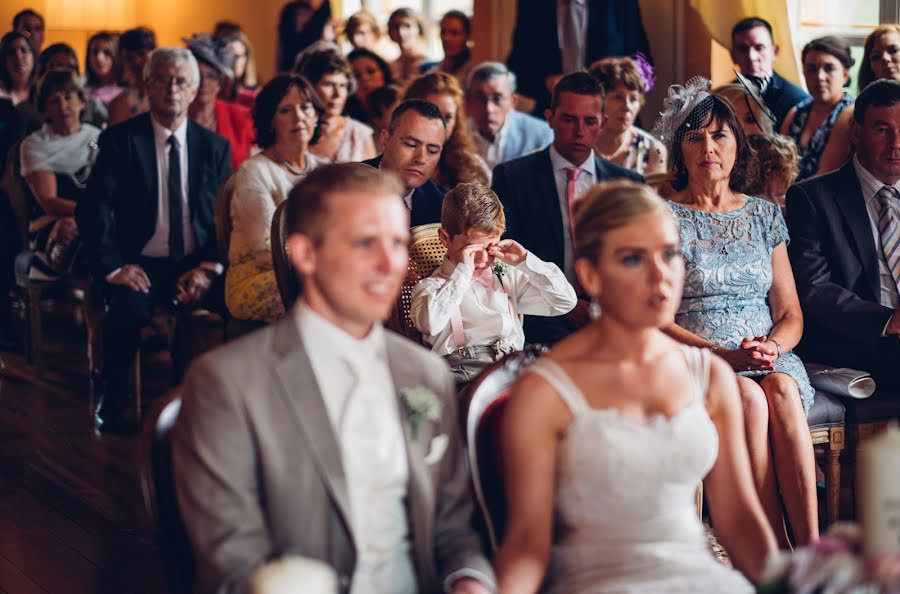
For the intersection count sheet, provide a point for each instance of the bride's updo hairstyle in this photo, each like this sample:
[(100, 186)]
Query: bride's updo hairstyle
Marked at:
[(609, 206)]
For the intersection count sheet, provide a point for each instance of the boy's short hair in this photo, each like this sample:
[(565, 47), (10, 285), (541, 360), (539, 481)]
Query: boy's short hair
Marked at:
[(472, 206)]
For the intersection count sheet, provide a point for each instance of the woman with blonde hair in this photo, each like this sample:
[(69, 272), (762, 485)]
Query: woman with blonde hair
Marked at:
[(752, 114), (406, 29), (881, 55), (460, 161), (605, 439), (362, 30)]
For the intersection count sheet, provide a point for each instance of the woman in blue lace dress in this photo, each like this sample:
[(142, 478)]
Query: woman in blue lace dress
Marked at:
[(739, 297), (820, 125)]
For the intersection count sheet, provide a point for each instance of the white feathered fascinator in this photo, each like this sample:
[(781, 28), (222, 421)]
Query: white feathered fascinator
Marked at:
[(686, 108)]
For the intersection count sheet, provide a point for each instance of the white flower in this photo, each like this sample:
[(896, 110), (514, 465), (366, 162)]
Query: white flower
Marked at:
[(499, 268), (421, 405)]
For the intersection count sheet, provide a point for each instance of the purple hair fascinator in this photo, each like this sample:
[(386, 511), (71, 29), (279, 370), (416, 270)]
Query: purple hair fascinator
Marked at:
[(646, 70)]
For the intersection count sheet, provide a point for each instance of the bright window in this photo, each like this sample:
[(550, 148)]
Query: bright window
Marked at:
[(431, 11), (851, 19)]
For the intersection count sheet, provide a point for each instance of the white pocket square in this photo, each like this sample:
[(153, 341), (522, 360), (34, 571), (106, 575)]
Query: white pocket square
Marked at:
[(436, 449)]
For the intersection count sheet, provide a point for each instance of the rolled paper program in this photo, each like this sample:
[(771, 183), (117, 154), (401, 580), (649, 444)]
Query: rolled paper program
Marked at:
[(879, 493)]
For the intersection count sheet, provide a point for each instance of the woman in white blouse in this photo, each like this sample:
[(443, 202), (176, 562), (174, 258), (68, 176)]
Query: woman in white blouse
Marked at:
[(286, 116), (55, 162)]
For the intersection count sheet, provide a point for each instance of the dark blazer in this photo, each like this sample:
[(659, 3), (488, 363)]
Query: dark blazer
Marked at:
[(614, 29), (118, 214), (835, 262), (527, 189), (426, 200), (781, 95)]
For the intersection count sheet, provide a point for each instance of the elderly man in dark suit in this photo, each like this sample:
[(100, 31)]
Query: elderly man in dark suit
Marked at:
[(147, 218), (539, 191), (845, 229), (411, 148), (754, 50), (325, 435)]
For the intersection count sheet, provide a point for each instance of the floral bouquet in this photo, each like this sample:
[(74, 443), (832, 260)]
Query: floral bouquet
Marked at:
[(834, 565)]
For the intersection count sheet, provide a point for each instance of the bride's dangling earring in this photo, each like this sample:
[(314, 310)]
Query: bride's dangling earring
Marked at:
[(594, 308)]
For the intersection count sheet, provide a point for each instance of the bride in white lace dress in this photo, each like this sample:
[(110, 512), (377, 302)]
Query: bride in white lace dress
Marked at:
[(607, 438)]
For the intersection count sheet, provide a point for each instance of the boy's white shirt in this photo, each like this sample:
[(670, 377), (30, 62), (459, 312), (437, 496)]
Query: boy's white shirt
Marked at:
[(536, 287)]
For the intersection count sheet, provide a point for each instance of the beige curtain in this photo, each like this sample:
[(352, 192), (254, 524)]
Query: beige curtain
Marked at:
[(492, 29), (719, 17)]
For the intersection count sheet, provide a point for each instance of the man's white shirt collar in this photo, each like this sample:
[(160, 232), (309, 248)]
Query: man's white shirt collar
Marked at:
[(560, 162), (161, 133), (407, 200), (334, 340)]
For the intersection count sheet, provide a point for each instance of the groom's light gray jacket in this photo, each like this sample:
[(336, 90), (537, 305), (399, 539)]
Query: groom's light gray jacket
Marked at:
[(258, 467)]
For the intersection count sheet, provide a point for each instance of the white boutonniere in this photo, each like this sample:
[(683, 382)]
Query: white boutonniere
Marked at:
[(499, 268), (421, 405)]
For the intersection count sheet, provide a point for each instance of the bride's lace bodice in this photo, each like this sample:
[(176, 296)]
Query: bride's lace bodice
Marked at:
[(625, 513)]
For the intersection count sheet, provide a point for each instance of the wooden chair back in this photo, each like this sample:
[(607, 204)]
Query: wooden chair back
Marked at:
[(288, 282), (158, 490), (483, 404), (426, 252)]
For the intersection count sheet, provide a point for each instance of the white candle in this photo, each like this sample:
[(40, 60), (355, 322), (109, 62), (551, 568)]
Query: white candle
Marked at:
[(878, 491)]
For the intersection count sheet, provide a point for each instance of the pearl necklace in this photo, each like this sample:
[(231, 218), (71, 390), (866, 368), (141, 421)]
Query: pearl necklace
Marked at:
[(288, 165)]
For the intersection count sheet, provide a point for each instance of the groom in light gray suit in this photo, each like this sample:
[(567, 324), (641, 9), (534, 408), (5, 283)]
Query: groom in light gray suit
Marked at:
[(325, 435)]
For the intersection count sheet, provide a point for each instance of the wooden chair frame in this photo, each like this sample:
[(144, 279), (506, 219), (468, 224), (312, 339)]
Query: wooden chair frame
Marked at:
[(832, 438), (479, 397), (158, 491), (288, 283)]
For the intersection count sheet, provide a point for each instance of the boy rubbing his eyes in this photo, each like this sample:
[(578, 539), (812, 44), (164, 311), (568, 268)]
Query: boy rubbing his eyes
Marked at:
[(469, 310)]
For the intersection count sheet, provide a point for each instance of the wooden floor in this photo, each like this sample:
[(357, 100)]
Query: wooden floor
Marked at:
[(71, 514)]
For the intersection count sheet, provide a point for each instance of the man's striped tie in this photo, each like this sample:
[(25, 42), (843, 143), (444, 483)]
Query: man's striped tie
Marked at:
[(889, 230)]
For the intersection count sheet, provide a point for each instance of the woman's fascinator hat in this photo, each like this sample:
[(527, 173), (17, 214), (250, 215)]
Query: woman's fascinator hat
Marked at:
[(645, 68), (753, 91), (215, 52), (686, 108)]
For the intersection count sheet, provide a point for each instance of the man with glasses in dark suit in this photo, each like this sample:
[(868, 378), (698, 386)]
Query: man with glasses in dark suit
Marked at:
[(147, 219)]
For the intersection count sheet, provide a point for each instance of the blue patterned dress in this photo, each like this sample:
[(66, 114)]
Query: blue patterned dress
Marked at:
[(728, 274), (811, 154)]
